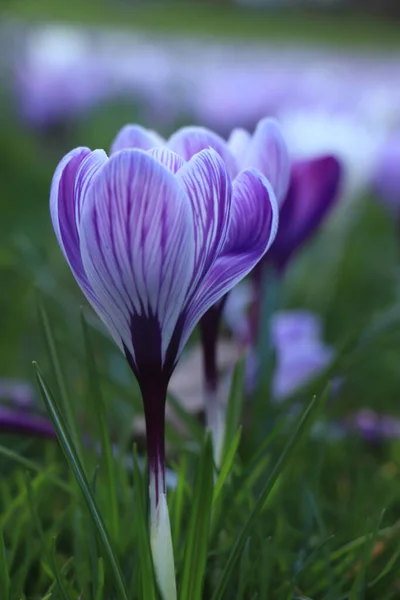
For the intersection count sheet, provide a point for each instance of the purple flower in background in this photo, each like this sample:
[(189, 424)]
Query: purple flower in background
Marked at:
[(306, 194), (313, 191), (153, 241), (24, 422), (387, 175), (374, 427), (300, 352), (16, 415), (305, 197)]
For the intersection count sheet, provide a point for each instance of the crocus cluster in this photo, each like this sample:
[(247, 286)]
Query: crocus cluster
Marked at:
[(155, 235), (306, 191)]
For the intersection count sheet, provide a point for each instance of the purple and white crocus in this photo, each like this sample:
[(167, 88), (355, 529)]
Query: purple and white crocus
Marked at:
[(306, 191), (154, 240), (268, 154)]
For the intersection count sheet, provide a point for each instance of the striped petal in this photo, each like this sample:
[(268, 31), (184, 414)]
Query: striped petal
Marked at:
[(137, 250), (252, 230), (136, 136), (189, 141), (209, 189), (239, 142), (172, 161), (314, 188), (67, 194), (254, 219), (268, 153)]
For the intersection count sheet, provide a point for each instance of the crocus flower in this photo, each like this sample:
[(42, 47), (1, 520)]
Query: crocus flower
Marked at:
[(296, 337), (300, 352), (344, 133), (153, 241), (387, 175), (269, 153), (305, 194), (21, 421), (373, 427), (311, 190)]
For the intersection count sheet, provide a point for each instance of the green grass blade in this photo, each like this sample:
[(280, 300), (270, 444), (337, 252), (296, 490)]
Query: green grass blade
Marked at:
[(100, 580), (195, 557), (73, 460), (234, 408), (32, 466), (298, 434), (359, 581), (227, 464), (141, 522), (4, 576), (243, 570), (59, 377), (99, 410), (60, 584), (177, 501)]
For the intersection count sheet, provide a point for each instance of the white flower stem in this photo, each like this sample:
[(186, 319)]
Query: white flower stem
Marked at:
[(160, 538), (215, 421)]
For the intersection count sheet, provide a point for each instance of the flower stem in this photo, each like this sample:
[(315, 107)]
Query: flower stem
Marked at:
[(154, 398)]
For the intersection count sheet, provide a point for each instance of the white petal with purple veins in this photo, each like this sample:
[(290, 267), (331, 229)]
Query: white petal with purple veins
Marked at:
[(71, 176), (268, 153), (188, 141), (172, 161), (239, 142), (253, 227), (136, 136), (137, 243), (209, 189), (254, 219)]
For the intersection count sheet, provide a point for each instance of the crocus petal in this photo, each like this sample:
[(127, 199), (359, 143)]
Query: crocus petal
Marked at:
[(268, 153), (136, 136), (254, 219), (209, 189), (314, 187), (291, 326), (239, 142), (23, 423), (252, 230), (68, 187), (189, 141), (137, 248), (172, 161)]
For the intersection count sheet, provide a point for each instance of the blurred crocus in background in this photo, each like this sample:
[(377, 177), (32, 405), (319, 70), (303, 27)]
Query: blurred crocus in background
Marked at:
[(154, 241), (387, 175), (300, 352), (312, 190), (312, 132), (18, 412), (296, 340)]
